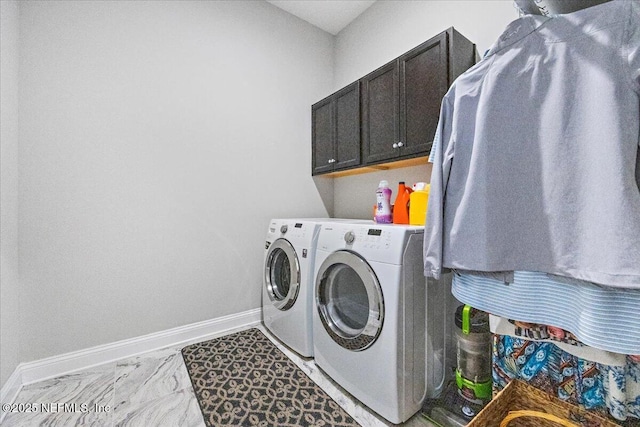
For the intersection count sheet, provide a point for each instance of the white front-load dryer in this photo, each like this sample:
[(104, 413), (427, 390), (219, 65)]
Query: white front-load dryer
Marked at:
[(288, 282), (369, 315)]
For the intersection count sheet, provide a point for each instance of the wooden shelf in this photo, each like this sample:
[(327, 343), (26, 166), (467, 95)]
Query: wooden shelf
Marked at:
[(416, 161)]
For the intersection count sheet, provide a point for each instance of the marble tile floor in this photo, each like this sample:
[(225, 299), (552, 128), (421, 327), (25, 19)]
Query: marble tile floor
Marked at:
[(151, 389)]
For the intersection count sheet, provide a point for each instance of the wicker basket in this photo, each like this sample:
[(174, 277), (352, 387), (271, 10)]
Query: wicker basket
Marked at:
[(518, 396)]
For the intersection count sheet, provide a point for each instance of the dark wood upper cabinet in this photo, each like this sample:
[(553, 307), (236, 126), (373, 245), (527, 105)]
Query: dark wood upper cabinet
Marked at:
[(400, 108), (423, 82), (336, 131), (322, 136), (401, 100), (380, 108)]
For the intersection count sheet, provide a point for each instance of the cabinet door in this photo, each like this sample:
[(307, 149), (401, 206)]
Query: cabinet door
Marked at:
[(380, 129), (322, 136), (423, 84), (347, 126)]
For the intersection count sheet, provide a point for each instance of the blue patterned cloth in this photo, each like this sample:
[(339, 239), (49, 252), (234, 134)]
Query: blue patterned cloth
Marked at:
[(612, 391), (623, 384)]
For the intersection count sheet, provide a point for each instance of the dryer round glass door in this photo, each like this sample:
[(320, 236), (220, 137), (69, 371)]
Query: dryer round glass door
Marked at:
[(282, 274), (349, 300)]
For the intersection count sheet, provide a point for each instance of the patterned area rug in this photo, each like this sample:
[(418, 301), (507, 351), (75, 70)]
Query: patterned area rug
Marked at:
[(244, 380)]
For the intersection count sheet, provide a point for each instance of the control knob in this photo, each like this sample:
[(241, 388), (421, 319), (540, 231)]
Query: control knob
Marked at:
[(349, 237)]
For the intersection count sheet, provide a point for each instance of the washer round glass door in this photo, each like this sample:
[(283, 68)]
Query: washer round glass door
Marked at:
[(349, 300), (282, 274)]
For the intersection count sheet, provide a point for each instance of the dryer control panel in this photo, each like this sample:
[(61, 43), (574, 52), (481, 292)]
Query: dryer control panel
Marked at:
[(378, 242)]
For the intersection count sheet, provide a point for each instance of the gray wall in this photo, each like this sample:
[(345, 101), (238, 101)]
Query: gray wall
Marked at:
[(157, 139), (385, 31), (9, 286)]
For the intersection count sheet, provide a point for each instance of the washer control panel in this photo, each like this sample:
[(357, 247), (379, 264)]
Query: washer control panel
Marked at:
[(297, 232)]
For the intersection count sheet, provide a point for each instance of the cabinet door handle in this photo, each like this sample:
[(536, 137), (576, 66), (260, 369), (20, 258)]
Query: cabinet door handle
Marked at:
[(400, 144), (395, 145)]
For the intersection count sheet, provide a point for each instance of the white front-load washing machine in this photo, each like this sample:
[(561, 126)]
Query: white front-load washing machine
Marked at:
[(288, 282), (370, 314)]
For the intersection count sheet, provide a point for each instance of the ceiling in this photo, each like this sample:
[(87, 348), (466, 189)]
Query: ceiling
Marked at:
[(329, 15)]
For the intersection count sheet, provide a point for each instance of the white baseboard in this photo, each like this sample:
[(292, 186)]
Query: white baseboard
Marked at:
[(30, 372)]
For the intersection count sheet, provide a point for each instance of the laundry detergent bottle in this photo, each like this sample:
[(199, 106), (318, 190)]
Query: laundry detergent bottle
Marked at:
[(401, 206), (383, 204), (419, 202)]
